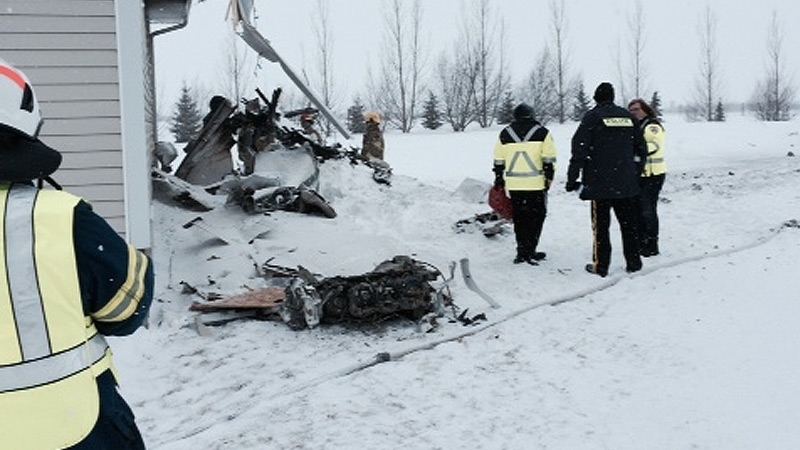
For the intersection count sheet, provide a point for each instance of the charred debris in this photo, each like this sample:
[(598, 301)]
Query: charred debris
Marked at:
[(400, 288), (250, 158)]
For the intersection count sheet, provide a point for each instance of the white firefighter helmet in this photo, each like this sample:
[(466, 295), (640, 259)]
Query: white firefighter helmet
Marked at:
[(22, 155)]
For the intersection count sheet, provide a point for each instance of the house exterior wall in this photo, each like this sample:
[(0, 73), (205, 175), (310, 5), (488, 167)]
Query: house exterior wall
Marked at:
[(81, 67), (136, 88)]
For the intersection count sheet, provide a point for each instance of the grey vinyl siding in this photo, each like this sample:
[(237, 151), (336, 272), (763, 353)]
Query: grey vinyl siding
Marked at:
[(60, 8), (68, 48)]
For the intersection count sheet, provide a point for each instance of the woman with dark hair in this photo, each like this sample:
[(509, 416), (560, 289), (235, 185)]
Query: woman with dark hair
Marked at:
[(653, 175)]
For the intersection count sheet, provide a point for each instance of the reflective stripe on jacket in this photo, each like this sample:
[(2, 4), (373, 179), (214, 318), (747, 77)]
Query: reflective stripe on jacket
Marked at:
[(523, 150), (50, 352), (655, 136), (608, 153)]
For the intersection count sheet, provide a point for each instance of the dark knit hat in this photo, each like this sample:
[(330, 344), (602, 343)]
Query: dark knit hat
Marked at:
[(523, 112), (604, 93)]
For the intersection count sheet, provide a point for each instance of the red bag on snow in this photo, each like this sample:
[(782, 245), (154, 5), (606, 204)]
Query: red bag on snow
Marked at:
[(500, 203)]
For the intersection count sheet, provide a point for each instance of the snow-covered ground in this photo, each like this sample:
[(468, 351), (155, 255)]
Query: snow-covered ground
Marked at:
[(697, 351)]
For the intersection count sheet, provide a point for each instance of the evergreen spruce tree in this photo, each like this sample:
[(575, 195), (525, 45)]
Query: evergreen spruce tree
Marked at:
[(431, 117), (505, 113), (186, 120), (719, 112), (655, 103), (355, 117), (581, 105)]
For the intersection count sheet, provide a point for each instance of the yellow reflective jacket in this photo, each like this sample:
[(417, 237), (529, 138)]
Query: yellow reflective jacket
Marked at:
[(656, 137), (522, 150), (50, 352)]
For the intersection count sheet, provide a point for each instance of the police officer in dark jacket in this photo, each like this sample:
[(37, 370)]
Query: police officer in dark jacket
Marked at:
[(608, 153)]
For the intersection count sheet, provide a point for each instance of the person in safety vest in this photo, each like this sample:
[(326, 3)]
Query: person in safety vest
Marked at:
[(524, 164), (608, 153), (67, 280), (652, 179)]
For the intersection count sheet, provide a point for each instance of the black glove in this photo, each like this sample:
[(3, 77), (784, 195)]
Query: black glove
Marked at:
[(499, 182), (573, 185), (549, 171)]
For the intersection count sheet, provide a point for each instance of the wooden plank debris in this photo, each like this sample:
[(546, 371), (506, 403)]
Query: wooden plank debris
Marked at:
[(269, 298)]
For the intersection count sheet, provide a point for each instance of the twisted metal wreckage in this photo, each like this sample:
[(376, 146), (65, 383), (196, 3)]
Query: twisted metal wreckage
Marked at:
[(281, 171), (277, 168)]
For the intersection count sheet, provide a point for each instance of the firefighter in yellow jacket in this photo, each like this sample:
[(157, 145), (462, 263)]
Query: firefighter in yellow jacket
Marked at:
[(653, 174), (524, 163), (67, 280)]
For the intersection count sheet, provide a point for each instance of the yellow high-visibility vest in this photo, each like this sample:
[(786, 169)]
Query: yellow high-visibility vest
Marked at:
[(656, 137), (50, 352), (524, 161)]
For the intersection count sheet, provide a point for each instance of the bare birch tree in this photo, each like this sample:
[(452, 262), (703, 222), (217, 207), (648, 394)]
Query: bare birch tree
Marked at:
[(488, 47), (707, 88), (457, 79), (621, 86), (398, 86), (774, 95), (637, 47), (631, 68), (504, 84), (324, 84), (238, 70), (540, 88), (564, 90)]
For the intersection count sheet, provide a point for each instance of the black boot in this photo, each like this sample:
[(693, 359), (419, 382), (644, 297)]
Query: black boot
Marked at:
[(525, 259), (649, 247), (593, 270), (538, 256)]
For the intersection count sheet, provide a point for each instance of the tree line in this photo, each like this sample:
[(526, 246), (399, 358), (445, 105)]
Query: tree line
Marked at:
[(470, 83)]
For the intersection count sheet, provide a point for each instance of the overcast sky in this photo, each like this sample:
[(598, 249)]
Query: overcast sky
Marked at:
[(595, 31)]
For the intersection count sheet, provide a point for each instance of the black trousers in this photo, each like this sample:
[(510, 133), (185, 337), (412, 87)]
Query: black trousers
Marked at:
[(627, 212), (530, 209), (116, 427), (648, 217)]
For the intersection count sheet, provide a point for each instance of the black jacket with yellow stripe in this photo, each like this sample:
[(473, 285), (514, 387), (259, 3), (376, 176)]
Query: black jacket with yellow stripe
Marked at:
[(105, 265)]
